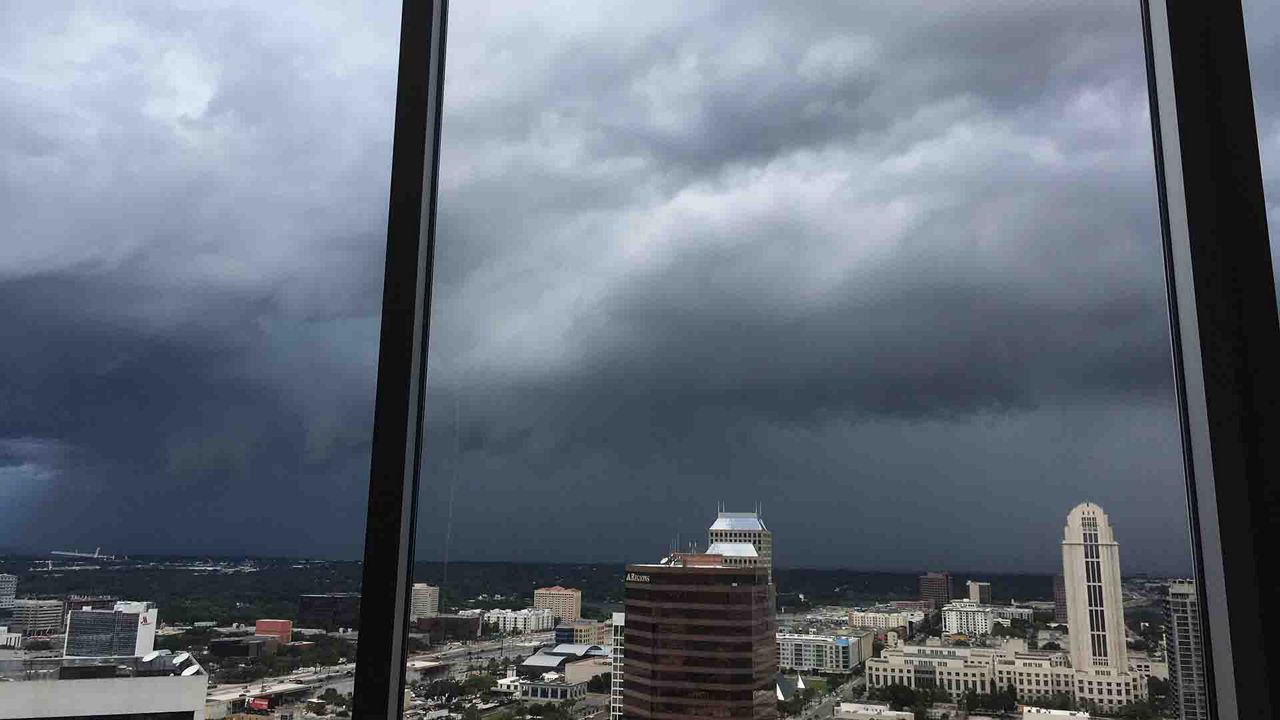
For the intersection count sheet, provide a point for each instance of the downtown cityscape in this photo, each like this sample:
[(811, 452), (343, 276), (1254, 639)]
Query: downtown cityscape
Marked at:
[(704, 631)]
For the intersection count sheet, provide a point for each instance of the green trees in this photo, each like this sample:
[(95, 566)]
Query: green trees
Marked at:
[(901, 697), (599, 683), (1002, 700), (477, 684)]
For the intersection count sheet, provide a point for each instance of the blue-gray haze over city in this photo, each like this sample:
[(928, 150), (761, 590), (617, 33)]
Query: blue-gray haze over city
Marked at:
[(890, 270)]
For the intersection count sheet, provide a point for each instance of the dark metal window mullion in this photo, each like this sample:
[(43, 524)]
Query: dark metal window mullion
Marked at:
[(402, 361), (1225, 335)]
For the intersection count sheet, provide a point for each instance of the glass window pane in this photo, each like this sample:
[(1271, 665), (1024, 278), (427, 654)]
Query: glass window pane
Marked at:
[(194, 219), (880, 282)]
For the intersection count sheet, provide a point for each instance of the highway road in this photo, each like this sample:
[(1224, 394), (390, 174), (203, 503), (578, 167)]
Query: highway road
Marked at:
[(825, 706)]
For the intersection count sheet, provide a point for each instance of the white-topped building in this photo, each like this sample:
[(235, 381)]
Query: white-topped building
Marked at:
[(748, 527), (837, 654), (969, 618), (735, 554), (1095, 612), (616, 655), (126, 630), (886, 619), (424, 601), (527, 620), (866, 711)]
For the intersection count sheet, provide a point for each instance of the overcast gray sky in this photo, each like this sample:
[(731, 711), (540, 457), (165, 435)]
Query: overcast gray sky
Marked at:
[(890, 270)]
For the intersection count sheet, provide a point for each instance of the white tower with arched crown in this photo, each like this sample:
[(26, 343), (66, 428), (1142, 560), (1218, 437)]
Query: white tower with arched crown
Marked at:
[(1095, 610)]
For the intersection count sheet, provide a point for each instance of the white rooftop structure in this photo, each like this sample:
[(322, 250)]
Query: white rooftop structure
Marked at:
[(732, 529), (733, 549), (738, 521)]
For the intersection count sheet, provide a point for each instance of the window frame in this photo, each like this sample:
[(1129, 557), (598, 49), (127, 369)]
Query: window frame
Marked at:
[(1225, 337)]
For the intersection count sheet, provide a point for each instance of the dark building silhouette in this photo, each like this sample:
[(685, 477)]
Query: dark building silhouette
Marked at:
[(1184, 649), (936, 586), (330, 611), (1059, 599), (440, 628), (700, 640)]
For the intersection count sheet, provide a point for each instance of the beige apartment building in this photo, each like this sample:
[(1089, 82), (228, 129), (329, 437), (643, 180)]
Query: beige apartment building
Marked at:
[(564, 603)]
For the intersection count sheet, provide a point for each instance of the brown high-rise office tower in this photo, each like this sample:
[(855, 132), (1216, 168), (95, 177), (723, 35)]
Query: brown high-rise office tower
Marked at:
[(700, 640), (936, 586)]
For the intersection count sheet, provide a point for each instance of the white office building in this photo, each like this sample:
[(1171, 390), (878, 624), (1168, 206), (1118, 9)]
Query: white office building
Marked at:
[(1037, 676), (1095, 612), (127, 630), (979, 592), (966, 617), (9, 640), (616, 655), (102, 688), (748, 527), (424, 601), (835, 654), (8, 591), (954, 669), (528, 620), (1006, 614)]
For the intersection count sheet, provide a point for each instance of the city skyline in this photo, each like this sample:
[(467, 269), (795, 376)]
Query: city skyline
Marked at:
[(937, 290)]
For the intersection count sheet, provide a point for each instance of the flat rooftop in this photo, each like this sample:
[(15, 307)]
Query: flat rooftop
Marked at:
[(49, 669)]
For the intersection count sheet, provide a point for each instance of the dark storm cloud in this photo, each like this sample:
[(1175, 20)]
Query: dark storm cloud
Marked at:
[(890, 271)]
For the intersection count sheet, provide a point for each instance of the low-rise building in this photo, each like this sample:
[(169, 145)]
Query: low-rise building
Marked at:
[(1008, 613), (548, 687), (924, 606), (521, 621), (867, 711), (584, 632), (835, 654), (575, 662), (886, 619), (1035, 675), (281, 630), (954, 669), (10, 640), (329, 611), (441, 628), (245, 646)]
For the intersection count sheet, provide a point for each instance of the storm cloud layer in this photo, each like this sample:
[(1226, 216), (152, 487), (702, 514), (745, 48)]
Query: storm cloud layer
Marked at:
[(889, 270)]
